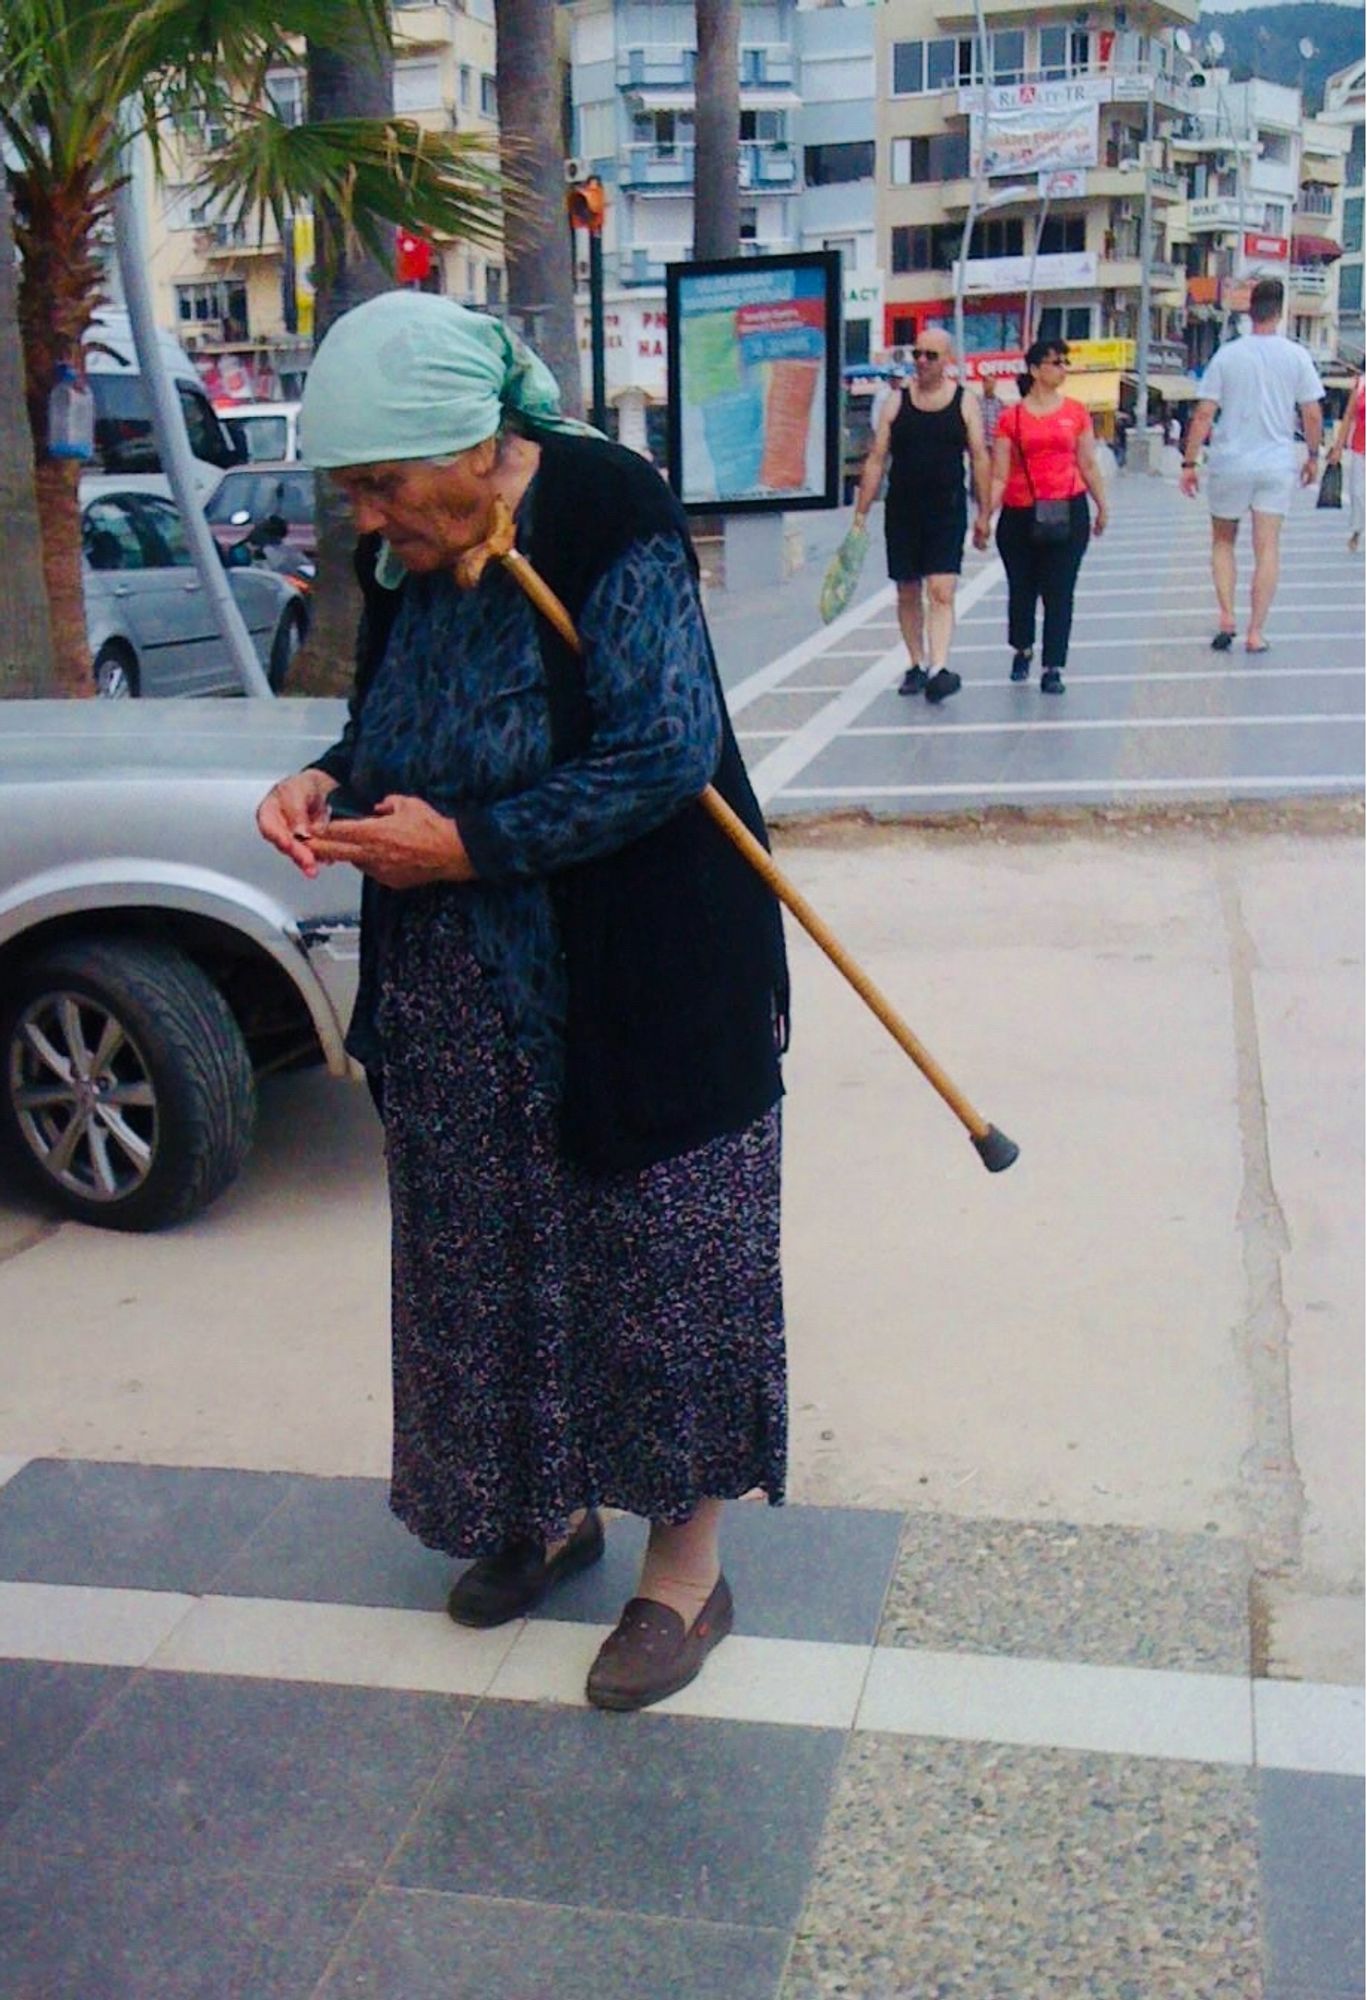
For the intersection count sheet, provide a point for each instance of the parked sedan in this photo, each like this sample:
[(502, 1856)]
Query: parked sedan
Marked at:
[(156, 956), (149, 624)]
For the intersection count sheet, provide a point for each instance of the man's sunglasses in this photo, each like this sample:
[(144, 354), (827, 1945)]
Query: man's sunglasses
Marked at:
[(926, 354)]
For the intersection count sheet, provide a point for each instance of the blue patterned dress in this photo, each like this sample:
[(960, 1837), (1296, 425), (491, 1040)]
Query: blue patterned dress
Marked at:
[(560, 1339)]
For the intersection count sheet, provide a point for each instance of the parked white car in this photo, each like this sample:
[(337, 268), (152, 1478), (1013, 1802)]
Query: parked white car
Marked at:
[(149, 624), (270, 430), (156, 955)]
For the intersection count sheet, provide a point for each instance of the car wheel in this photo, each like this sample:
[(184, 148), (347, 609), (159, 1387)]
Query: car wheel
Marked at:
[(116, 674), (128, 1092), (289, 637)]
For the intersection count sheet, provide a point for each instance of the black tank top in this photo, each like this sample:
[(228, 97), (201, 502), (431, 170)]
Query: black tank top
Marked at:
[(927, 448)]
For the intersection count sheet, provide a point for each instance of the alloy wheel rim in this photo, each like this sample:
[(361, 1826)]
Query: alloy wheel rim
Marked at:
[(83, 1096)]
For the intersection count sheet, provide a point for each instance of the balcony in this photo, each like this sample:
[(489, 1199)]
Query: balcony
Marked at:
[(765, 164), (645, 265), (1310, 282), (768, 163), (426, 26), (1214, 213), (1126, 274), (959, 13), (664, 66), (1315, 201), (234, 239), (1121, 83)]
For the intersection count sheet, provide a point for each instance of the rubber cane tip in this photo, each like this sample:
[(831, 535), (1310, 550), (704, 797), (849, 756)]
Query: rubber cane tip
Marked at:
[(996, 1151)]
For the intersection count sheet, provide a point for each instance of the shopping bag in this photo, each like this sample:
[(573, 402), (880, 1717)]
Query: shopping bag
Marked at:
[(838, 585), (1331, 487)]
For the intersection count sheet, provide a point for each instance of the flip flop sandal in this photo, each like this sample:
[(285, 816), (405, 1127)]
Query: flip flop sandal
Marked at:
[(1222, 642), (1264, 648)]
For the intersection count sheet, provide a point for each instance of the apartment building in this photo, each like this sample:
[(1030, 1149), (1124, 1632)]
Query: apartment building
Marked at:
[(1344, 109), (239, 297), (806, 165), (1072, 112), (1317, 242)]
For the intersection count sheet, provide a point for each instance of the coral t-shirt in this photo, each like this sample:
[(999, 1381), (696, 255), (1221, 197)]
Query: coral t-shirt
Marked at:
[(1050, 447)]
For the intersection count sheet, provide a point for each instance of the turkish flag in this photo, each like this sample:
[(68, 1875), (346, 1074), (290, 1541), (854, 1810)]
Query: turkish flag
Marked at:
[(414, 258)]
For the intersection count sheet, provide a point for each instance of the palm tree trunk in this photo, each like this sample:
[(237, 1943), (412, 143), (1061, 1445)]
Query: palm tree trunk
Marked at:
[(716, 184), (58, 286), (354, 82), (25, 628), (536, 235)]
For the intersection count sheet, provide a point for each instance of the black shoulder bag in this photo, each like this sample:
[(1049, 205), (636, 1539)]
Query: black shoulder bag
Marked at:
[(1051, 521)]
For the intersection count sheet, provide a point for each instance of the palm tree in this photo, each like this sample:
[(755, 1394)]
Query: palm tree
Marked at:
[(536, 234), (25, 635), (80, 79), (716, 185)]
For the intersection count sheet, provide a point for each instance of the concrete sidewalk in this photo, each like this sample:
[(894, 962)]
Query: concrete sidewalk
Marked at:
[(1078, 1463)]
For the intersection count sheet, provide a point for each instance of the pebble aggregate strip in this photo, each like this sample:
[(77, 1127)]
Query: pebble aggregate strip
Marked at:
[(956, 1871), (1104, 1596)]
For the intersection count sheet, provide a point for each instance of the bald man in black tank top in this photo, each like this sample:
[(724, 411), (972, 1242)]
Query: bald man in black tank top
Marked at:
[(928, 430)]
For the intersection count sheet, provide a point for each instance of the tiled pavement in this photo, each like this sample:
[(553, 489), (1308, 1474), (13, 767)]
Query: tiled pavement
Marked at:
[(246, 1755)]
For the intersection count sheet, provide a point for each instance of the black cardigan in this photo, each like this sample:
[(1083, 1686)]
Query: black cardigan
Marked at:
[(676, 976)]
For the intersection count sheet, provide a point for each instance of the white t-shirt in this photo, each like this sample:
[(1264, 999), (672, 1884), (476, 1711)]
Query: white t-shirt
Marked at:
[(1258, 381)]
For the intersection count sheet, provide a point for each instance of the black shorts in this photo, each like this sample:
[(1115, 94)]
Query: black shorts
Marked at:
[(924, 541)]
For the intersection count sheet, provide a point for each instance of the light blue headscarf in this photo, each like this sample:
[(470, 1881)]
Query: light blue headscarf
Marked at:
[(412, 375)]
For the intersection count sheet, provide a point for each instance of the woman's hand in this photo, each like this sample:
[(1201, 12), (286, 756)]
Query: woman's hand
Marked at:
[(1100, 519), (404, 844), (982, 530), (292, 811)]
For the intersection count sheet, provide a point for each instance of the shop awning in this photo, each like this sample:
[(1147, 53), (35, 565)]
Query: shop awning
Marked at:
[(1096, 390), (1315, 250)]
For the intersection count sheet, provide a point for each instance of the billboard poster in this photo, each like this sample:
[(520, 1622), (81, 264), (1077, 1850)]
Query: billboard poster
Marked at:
[(1029, 133), (754, 381)]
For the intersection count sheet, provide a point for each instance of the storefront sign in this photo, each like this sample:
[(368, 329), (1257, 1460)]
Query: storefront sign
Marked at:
[(1070, 185), (754, 381), (1061, 271), (634, 344), (1274, 248), (1088, 354)]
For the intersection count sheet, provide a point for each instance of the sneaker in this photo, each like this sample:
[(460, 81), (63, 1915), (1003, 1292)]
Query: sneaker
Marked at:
[(1020, 667), (1051, 681), (942, 685), (913, 680)]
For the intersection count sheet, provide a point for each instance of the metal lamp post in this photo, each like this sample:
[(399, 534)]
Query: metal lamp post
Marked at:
[(976, 209), (976, 194)]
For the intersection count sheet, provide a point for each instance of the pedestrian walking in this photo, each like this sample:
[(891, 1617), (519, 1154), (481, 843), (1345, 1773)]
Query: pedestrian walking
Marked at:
[(572, 990), (927, 432), (1258, 384), (1044, 466), (1350, 439)]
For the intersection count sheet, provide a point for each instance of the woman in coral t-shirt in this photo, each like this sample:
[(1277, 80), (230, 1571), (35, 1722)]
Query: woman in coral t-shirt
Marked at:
[(1351, 436), (1044, 451)]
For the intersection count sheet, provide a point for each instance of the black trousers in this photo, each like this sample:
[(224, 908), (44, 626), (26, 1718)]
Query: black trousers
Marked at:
[(1042, 571)]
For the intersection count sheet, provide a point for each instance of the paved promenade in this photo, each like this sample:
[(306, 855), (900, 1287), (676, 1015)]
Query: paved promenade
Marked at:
[(1047, 1684)]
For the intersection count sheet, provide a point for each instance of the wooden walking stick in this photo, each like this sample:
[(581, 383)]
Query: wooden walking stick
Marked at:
[(994, 1149)]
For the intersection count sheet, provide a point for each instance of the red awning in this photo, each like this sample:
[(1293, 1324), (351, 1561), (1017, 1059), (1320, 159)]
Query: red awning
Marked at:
[(1314, 250)]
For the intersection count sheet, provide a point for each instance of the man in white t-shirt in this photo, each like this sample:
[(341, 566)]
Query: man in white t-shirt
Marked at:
[(1257, 384)]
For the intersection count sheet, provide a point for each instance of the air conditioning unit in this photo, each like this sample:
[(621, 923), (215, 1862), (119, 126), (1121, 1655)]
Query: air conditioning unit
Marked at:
[(576, 172)]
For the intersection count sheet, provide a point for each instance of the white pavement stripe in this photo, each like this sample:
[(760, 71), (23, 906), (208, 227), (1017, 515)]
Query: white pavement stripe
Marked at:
[(1193, 590), (1035, 725), (1084, 610), (106, 1628), (1200, 640), (1121, 1711), (773, 772), (758, 683), (1308, 1728), (1118, 787)]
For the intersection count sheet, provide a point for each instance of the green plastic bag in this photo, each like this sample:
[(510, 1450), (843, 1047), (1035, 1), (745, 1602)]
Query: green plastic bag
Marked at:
[(838, 585)]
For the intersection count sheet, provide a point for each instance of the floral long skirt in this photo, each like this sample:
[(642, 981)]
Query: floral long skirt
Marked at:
[(561, 1340)]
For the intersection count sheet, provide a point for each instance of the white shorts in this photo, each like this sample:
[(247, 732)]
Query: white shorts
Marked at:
[(1233, 492)]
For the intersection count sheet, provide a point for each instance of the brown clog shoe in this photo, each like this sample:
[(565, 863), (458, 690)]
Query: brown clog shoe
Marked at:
[(650, 1655)]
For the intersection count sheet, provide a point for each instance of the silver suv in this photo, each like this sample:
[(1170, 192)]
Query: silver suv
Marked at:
[(156, 956)]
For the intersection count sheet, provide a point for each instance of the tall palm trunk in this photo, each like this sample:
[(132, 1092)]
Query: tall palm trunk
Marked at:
[(716, 184), (533, 146), (58, 288), (355, 82), (25, 628)]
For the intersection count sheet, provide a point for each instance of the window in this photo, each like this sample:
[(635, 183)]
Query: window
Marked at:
[(1350, 288), (848, 160), (994, 236), (1353, 169), (1008, 55), (285, 89), (858, 344), (1274, 218), (467, 85), (772, 125), (108, 538), (1065, 323), (908, 69), (221, 303), (493, 285), (1352, 224), (1063, 232), (749, 225), (918, 247), (1079, 48), (1275, 146), (1053, 52), (943, 156), (488, 95), (417, 86), (903, 330), (165, 543)]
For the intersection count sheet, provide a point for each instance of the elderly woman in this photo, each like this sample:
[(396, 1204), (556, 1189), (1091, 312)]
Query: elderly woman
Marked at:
[(573, 991)]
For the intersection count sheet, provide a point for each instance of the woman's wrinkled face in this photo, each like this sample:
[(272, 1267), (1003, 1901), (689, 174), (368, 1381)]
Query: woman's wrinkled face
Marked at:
[(430, 511)]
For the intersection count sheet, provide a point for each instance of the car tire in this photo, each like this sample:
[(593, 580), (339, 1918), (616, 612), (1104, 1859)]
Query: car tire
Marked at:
[(163, 1124), (116, 674), (289, 637)]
